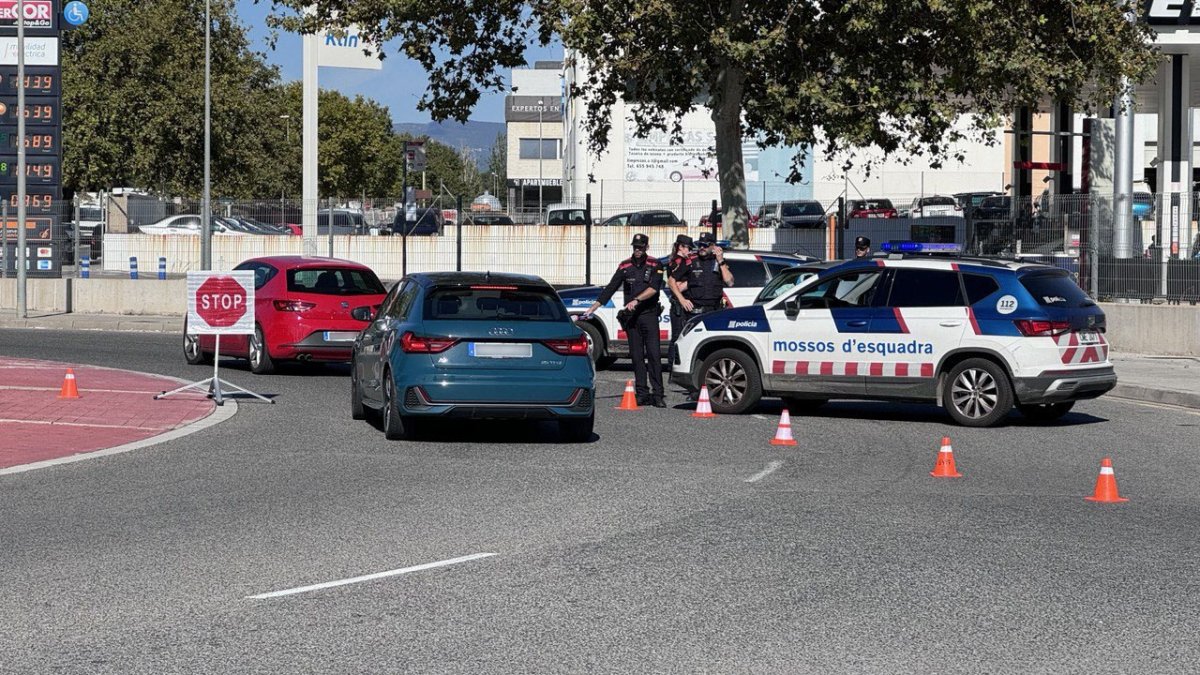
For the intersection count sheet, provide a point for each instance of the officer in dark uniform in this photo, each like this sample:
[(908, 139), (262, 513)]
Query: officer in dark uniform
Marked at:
[(862, 247), (642, 278), (679, 258), (707, 274)]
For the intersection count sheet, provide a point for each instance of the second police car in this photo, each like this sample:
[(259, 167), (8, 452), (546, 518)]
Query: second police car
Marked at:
[(752, 270), (977, 336)]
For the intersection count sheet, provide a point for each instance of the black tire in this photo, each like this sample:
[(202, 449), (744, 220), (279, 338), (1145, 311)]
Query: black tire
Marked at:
[(1045, 412), (192, 352), (357, 410), (393, 421), (977, 393), (733, 381), (577, 429), (600, 357), (260, 357), (803, 406)]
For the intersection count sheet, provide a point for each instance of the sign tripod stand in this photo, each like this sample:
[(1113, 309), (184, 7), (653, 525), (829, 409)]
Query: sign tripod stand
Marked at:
[(219, 303), (214, 383)]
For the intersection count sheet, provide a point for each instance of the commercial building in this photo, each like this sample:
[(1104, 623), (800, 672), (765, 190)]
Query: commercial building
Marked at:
[(533, 116)]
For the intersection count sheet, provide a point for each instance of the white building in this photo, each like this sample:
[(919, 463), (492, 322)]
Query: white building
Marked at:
[(533, 124)]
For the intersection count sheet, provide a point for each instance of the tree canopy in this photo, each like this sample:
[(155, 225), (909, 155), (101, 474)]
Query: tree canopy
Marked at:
[(133, 102), (897, 75)]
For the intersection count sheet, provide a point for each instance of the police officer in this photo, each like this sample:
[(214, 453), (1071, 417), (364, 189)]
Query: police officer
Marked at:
[(680, 254), (706, 274), (642, 278), (862, 247)]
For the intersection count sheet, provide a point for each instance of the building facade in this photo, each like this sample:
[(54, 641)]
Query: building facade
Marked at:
[(533, 118)]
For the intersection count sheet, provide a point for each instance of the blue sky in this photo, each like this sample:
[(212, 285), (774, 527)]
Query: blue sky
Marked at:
[(398, 86)]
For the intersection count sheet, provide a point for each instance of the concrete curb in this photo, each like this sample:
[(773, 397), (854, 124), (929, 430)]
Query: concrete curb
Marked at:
[(122, 324), (1133, 392)]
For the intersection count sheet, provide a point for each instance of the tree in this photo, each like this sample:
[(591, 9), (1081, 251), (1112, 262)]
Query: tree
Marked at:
[(497, 166), (448, 168), (133, 100), (892, 74)]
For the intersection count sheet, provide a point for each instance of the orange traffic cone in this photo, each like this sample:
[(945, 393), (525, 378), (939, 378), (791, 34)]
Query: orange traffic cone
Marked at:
[(69, 390), (629, 400), (703, 407), (945, 462), (1106, 485), (783, 433)]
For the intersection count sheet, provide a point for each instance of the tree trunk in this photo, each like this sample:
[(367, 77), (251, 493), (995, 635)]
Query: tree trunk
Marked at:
[(727, 116)]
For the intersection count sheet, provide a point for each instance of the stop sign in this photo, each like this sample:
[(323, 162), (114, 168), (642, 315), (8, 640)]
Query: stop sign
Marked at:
[(220, 301)]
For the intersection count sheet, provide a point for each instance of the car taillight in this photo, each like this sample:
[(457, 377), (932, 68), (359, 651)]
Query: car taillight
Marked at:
[(1039, 328), (577, 346), (293, 305), (412, 343)]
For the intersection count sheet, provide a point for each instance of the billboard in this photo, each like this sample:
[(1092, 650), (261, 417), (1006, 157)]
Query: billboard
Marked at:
[(691, 157), (38, 14)]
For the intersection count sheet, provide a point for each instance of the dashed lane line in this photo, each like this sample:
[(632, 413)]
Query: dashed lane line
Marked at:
[(369, 577), (771, 468)]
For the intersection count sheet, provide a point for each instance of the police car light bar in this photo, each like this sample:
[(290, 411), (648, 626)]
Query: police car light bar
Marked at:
[(919, 247)]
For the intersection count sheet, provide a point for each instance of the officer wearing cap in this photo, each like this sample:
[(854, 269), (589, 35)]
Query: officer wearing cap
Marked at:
[(642, 278), (862, 247), (706, 274), (679, 258)]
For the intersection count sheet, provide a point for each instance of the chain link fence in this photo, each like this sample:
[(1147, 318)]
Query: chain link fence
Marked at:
[(1150, 255)]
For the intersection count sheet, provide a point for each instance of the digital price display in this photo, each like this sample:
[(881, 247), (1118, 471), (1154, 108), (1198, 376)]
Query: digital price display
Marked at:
[(39, 200), (38, 141), (42, 81), (39, 111), (38, 170)]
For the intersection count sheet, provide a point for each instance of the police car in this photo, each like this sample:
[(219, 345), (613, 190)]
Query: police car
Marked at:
[(752, 270), (977, 336)]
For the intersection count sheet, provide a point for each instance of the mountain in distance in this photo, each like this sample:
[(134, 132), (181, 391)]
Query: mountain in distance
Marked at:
[(476, 137)]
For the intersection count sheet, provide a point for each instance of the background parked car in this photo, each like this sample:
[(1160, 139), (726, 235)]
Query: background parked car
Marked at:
[(969, 200), (659, 218), (566, 214), (933, 206), (187, 224), (487, 219), (426, 222), (870, 208), (792, 214), (345, 222)]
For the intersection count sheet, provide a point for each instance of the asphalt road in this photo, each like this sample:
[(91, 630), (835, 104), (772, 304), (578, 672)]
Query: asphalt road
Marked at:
[(646, 550)]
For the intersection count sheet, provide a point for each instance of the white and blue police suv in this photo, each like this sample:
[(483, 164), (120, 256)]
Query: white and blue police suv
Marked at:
[(977, 336)]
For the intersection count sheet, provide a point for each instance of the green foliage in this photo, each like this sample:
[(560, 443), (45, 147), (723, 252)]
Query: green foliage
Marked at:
[(897, 75)]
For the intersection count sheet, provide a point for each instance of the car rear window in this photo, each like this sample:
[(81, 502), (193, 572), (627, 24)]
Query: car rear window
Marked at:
[(939, 201), (1055, 289), (489, 302), (334, 281), (802, 209)]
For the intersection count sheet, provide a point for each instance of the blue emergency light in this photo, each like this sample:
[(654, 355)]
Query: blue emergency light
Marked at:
[(919, 247)]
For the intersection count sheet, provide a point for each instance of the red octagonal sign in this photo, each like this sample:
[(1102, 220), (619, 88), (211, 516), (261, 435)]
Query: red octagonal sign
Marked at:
[(220, 301)]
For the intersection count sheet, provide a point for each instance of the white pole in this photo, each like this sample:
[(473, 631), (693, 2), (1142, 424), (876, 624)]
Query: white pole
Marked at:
[(308, 223), (541, 154), (22, 256), (206, 197)]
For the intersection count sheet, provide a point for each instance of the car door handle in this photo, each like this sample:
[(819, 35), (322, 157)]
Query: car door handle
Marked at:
[(856, 324), (951, 324)]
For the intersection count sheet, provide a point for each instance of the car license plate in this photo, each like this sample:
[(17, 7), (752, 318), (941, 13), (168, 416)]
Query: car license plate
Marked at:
[(1089, 337), (340, 336), (874, 215), (500, 350)]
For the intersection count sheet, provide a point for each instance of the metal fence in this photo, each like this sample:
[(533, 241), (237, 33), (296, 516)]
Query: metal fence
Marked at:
[(1153, 255)]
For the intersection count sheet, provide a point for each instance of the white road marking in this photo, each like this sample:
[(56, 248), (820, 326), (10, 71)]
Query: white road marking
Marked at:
[(370, 577), (771, 468), (761, 417), (82, 390), (54, 423)]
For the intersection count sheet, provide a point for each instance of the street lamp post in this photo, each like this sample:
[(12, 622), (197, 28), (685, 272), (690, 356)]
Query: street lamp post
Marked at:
[(287, 143), (541, 155)]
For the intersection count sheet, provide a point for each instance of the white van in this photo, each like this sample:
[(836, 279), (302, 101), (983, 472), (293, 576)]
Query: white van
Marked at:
[(566, 214)]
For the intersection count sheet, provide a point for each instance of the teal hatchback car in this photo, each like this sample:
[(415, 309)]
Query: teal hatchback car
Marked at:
[(473, 345)]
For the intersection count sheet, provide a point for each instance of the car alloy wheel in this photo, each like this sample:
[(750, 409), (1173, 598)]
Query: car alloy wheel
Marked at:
[(256, 351), (974, 394), (726, 381)]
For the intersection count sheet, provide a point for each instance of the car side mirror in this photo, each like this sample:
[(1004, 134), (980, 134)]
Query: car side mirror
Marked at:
[(362, 313), (791, 307)]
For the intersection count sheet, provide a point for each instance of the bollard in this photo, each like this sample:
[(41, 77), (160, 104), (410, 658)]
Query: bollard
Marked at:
[(133, 267), (162, 268), (85, 267)]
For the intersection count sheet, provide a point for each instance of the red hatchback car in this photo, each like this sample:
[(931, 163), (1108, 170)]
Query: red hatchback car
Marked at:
[(304, 310)]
